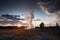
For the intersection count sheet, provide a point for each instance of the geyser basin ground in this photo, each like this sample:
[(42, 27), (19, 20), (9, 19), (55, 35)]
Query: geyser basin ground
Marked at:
[(32, 34)]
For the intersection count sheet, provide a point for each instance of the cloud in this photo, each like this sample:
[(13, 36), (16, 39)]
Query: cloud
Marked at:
[(51, 7), (11, 17), (10, 20), (11, 23), (36, 20)]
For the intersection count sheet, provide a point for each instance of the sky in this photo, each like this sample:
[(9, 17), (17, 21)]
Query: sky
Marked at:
[(47, 11)]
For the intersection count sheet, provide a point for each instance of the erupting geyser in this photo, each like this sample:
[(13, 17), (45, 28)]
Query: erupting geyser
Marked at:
[(28, 19)]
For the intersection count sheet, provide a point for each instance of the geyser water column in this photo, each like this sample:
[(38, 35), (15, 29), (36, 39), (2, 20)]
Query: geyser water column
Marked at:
[(28, 19), (31, 16)]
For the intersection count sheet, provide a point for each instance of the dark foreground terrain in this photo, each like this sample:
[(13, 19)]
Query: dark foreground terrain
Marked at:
[(32, 34)]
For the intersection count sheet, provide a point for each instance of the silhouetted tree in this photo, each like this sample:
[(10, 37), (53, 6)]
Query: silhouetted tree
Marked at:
[(57, 25), (42, 25)]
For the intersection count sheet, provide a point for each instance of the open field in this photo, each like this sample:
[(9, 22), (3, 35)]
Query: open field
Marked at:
[(32, 34)]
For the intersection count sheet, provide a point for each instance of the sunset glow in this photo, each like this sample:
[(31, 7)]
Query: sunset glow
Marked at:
[(19, 25), (13, 13)]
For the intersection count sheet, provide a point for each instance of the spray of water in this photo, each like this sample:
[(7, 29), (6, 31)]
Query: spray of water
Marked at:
[(28, 19)]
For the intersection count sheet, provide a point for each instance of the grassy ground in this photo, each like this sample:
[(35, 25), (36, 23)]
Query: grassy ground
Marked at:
[(33, 34)]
